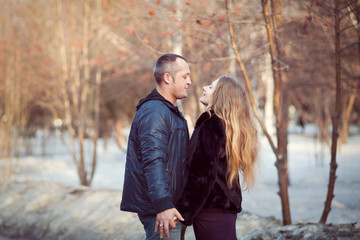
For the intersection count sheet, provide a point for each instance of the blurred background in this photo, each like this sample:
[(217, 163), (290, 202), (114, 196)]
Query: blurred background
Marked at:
[(80, 67), (72, 72)]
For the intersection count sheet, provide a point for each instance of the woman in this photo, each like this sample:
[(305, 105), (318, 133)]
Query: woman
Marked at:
[(223, 143)]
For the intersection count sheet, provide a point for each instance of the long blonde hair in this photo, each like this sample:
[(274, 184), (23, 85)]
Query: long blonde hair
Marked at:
[(230, 103)]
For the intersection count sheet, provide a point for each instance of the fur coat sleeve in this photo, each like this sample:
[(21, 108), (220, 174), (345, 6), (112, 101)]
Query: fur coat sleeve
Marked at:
[(206, 146)]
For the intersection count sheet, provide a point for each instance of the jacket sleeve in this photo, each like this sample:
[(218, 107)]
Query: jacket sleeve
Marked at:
[(202, 170), (153, 132)]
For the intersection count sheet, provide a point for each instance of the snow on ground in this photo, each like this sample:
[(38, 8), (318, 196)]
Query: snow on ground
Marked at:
[(308, 168), (32, 210), (309, 176)]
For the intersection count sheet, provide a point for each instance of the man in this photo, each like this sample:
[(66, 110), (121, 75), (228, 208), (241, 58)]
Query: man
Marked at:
[(156, 153)]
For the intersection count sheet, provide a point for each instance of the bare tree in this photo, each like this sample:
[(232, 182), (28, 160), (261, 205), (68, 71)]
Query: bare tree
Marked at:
[(78, 101), (244, 72), (333, 164), (351, 13), (280, 103), (14, 104)]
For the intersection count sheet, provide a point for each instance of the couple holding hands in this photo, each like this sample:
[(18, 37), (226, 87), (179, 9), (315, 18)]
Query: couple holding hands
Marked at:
[(172, 182)]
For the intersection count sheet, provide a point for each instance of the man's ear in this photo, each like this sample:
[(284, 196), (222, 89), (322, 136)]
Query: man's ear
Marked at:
[(167, 78)]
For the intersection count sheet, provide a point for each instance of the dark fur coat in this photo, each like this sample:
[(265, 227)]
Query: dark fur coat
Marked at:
[(205, 185)]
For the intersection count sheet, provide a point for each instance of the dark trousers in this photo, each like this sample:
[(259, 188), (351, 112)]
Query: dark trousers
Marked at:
[(215, 226)]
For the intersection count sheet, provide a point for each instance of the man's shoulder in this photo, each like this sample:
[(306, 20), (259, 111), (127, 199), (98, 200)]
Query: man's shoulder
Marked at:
[(154, 106), (153, 109)]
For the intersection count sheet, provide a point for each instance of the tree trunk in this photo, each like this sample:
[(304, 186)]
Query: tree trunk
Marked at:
[(12, 115), (178, 43), (84, 94), (197, 108), (333, 164), (119, 137), (280, 106), (280, 152), (97, 95), (76, 90), (267, 78), (346, 117)]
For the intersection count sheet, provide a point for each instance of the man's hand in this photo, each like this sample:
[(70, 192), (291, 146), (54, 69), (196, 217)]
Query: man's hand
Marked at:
[(165, 219)]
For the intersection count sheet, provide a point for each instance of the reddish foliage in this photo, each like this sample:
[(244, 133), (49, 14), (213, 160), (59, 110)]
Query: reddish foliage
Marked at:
[(188, 3), (174, 18), (130, 30), (152, 12), (111, 20), (110, 10), (327, 22), (103, 3), (96, 60), (221, 19), (207, 22)]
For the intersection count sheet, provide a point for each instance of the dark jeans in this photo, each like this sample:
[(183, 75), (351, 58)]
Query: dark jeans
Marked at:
[(149, 226), (215, 226)]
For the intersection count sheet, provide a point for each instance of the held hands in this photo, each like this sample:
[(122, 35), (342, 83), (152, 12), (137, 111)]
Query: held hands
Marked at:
[(166, 220)]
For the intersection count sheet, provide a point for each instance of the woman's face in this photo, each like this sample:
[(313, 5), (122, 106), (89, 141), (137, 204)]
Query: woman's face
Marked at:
[(208, 91)]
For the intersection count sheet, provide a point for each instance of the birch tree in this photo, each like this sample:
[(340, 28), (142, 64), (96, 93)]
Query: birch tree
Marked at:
[(78, 101)]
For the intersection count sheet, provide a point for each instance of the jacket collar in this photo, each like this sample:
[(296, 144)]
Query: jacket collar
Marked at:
[(204, 116), (155, 95)]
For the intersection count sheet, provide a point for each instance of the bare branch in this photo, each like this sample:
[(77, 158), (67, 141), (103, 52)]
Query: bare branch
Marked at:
[(247, 81)]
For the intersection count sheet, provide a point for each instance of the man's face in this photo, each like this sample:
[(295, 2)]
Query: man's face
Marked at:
[(181, 79)]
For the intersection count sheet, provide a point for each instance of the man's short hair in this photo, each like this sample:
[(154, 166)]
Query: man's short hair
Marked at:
[(165, 65)]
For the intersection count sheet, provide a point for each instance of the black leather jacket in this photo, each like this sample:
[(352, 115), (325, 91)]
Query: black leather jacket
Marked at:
[(156, 157)]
